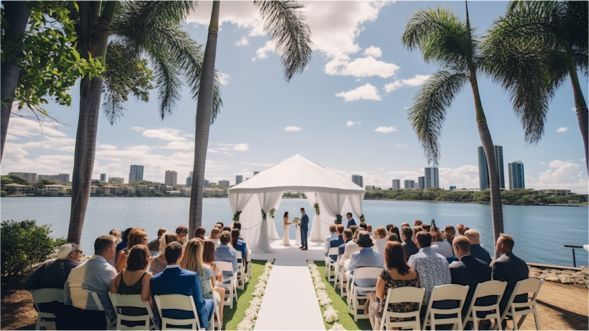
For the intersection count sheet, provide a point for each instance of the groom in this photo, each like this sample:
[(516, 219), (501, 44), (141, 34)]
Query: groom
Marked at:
[(304, 229)]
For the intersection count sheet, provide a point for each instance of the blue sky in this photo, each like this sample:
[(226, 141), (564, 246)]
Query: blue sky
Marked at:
[(346, 111)]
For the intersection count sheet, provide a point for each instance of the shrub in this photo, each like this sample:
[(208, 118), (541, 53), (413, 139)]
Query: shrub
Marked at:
[(25, 244)]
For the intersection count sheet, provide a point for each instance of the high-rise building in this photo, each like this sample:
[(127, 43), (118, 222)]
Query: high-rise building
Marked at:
[(358, 180), (516, 175), (30, 177), (421, 182), (60, 178), (171, 178), (103, 178), (396, 184), (116, 180), (409, 184), (484, 182), (224, 184), (189, 180), (135, 174), (206, 183), (238, 179), (431, 177)]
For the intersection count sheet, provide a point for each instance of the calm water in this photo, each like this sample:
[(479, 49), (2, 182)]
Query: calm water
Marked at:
[(540, 231)]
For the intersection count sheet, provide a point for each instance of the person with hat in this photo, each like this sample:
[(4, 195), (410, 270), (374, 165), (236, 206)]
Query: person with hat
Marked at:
[(366, 257)]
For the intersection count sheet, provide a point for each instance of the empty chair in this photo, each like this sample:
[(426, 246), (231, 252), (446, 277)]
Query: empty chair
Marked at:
[(445, 306), (229, 282), (485, 304), (45, 298), (363, 283), (517, 311), (330, 265), (402, 320), (180, 302), (126, 321), (241, 272)]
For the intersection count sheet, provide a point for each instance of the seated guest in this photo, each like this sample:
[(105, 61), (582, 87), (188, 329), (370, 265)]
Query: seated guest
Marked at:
[(405, 225), (393, 237), (123, 243), (396, 231), (369, 229), (397, 274), (208, 259), (158, 264), (476, 249), (174, 280), (214, 237), (182, 233), (508, 268), (350, 219), (154, 245), (426, 227), (468, 270), (332, 236), (449, 233), (224, 252), (363, 226), (93, 275), (440, 245), (460, 228), (136, 237), (239, 245), (117, 234), (337, 241), (380, 236), (347, 235), (366, 257), (389, 228), (432, 267), (220, 224), (417, 223), (200, 232), (408, 244), (351, 248), (227, 228)]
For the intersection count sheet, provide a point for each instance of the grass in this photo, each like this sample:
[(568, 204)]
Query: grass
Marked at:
[(340, 305), (232, 317)]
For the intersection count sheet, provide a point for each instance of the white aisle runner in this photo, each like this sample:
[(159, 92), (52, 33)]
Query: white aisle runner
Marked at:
[(290, 301)]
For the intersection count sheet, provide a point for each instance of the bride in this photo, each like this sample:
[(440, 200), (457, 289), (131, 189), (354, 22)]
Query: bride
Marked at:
[(285, 234)]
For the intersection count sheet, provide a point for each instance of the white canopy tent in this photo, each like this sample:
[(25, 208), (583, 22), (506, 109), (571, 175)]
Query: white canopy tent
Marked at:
[(257, 196)]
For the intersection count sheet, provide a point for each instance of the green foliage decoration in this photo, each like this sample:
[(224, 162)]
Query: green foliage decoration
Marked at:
[(338, 219), (317, 209)]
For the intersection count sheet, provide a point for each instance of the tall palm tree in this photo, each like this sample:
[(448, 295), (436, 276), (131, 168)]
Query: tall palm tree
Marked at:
[(139, 28), (444, 39), (291, 35), (531, 51)]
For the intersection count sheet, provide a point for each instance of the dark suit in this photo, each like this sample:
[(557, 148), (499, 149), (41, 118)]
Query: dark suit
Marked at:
[(350, 223), (304, 231), (480, 253), (470, 271), (336, 243), (511, 269), (185, 282), (410, 248)]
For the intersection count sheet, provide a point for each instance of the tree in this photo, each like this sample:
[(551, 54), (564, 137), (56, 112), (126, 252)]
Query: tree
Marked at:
[(291, 35), (531, 51), (150, 29), (444, 39)]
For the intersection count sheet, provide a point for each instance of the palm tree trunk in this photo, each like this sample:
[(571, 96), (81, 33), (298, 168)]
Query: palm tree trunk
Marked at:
[(488, 147), (581, 109), (204, 112), (16, 16)]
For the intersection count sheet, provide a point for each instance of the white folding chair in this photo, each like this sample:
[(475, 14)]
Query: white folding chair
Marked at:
[(329, 264), (357, 292), (518, 311), (178, 302), (85, 299), (241, 272), (451, 292), (131, 300), (42, 296), (229, 282), (493, 289), (411, 320)]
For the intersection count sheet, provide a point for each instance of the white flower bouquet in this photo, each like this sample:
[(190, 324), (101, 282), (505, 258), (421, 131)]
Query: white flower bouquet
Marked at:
[(330, 315), (337, 327), (296, 221)]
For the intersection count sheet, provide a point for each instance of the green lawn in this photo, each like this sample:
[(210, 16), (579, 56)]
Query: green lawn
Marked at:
[(340, 305), (232, 317)]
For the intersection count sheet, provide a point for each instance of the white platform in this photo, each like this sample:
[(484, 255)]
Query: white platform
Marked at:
[(315, 252)]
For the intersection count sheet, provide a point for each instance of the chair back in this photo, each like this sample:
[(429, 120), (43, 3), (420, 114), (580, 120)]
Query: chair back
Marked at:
[(131, 300), (405, 294), (85, 299), (492, 289), (527, 286), (47, 295), (178, 302), (225, 266), (410, 319), (333, 251), (239, 255), (452, 315)]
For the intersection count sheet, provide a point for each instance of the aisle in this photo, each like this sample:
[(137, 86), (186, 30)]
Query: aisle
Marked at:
[(290, 301)]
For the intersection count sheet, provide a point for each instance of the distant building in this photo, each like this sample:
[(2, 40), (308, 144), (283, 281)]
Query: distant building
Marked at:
[(556, 192), (103, 178), (396, 184), (484, 182), (358, 180), (116, 180), (516, 175), (238, 179), (409, 184), (189, 180), (30, 177), (452, 187), (61, 178), (421, 182), (135, 174), (223, 184), (171, 178), (206, 183), (431, 179), (372, 187)]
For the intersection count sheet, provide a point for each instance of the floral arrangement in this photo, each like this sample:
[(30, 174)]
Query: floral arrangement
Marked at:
[(272, 212), (236, 216), (338, 219), (317, 210), (251, 314), (362, 219), (296, 221), (329, 313)]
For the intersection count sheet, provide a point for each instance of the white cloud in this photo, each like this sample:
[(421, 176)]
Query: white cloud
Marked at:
[(224, 78), (373, 51), (241, 147), (562, 130), (364, 92), (414, 81), (167, 134), (179, 146), (385, 129), (562, 174), (292, 129), (262, 52), (242, 42), (401, 146), (350, 124), (361, 67), (390, 87), (21, 127)]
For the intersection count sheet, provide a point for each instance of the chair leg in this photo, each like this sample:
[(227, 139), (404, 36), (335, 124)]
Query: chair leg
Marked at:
[(536, 320)]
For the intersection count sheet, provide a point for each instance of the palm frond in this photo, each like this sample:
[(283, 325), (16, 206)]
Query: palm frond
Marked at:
[(291, 35), (167, 81), (429, 108)]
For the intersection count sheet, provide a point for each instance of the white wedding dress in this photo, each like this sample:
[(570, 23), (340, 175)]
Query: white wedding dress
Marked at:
[(285, 234)]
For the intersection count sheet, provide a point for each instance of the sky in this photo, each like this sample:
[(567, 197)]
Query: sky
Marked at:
[(347, 111)]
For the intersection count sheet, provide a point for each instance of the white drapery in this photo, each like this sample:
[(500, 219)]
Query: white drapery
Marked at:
[(267, 201)]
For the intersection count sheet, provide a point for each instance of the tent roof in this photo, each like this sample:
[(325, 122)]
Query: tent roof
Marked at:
[(297, 174)]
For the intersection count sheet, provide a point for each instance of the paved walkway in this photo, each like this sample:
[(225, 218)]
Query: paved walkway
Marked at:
[(290, 302)]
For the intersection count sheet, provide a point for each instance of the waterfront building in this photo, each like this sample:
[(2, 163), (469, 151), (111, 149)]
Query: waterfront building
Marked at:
[(396, 184), (431, 178), (60, 178), (223, 184), (409, 184), (484, 182), (238, 179), (421, 182), (516, 175), (30, 177), (358, 180), (116, 180), (135, 174), (452, 187), (171, 178), (555, 192), (103, 178)]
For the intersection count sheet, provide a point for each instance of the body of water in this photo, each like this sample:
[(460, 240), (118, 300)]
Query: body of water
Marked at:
[(539, 231)]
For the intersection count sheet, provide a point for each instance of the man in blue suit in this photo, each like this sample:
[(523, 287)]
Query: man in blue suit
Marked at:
[(304, 229), (351, 220), (174, 280)]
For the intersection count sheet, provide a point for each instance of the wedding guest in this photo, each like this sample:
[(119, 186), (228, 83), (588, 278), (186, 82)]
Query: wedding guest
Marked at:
[(123, 243), (426, 227), (332, 236), (476, 249), (363, 226), (227, 228), (408, 244), (137, 236), (336, 241), (350, 219), (224, 252), (220, 224), (354, 228), (380, 235), (237, 225), (200, 232), (417, 223), (460, 228), (369, 229), (239, 245), (208, 258), (175, 280), (366, 257), (397, 274), (347, 237), (393, 237), (159, 263), (432, 267), (440, 245), (351, 248), (214, 237), (508, 268), (449, 233), (117, 234), (396, 231), (389, 228), (405, 225), (154, 245), (182, 233)]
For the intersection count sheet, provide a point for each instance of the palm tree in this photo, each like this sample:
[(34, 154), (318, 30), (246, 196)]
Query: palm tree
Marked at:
[(291, 35), (531, 51), (140, 28), (444, 39)]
